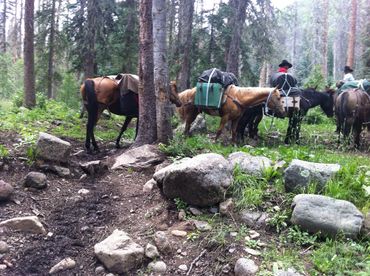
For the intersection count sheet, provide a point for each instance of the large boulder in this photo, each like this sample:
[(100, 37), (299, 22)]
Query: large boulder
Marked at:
[(300, 174), (52, 148), (119, 253), (5, 190), (254, 165), (201, 180), (139, 158), (317, 213)]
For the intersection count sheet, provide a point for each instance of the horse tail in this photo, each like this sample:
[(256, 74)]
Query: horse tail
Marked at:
[(92, 102)]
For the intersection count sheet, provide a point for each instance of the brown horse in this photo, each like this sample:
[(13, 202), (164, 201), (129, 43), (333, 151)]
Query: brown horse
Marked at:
[(236, 100), (352, 109), (119, 96)]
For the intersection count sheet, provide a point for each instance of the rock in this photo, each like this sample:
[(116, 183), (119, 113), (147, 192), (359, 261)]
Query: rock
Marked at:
[(253, 234), (226, 207), (182, 215), (366, 225), (162, 242), (52, 148), (64, 264), (83, 191), (3, 247), (252, 252), (6, 190), (157, 267), (3, 266), (300, 174), (202, 226), (94, 167), (179, 233), (288, 272), (151, 251), (148, 186), (253, 219), (99, 270), (183, 267), (119, 253), (254, 165), (195, 211), (245, 267), (198, 126), (35, 180), (142, 157), (61, 171), (30, 224), (200, 181), (317, 213)]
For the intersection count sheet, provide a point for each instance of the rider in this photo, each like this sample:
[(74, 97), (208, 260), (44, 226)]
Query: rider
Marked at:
[(348, 74), (282, 79)]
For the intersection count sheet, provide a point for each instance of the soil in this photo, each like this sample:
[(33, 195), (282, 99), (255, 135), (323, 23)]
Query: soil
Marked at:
[(75, 223)]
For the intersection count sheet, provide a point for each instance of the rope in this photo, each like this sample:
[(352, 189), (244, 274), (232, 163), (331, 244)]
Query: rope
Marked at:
[(209, 81)]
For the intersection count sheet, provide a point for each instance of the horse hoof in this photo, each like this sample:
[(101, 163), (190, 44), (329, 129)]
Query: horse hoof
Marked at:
[(118, 146)]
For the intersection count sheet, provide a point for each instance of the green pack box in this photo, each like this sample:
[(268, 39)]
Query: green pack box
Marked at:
[(208, 95)]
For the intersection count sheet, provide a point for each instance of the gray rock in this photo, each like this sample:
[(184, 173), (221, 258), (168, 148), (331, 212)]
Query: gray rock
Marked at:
[(6, 190), (52, 148), (30, 224), (162, 242), (64, 264), (202, 226), (287, 272), (254, 165), (157, 267), (35, 180), (195, 211), (201, 180), (142, 157), (149, 186), (151, 251), (245, 267), (253, 219), (226, 207), (3, 247), (366, 226), (317, 213), (183, 267), (300, 174), (119, 253), (94, 167), (99, 270), (198, 126), (62, 171)]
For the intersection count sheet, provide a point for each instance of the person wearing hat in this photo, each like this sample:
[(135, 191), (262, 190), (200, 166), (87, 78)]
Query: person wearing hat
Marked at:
[(348, 74), (282, 79), (284, 66)]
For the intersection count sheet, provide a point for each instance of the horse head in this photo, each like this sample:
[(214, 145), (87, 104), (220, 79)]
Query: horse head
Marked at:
[(274, 103), (328, 105), (174, 96)]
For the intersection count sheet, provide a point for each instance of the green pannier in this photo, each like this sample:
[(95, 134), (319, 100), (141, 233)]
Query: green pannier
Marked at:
[(209, 95), (361, 84)]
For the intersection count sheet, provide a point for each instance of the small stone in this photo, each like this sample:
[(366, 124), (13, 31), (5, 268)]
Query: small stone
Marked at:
[(62, 171), (183, 267), (64, 264), (162, 242), (213, 210), (5, 190), (253, 234), (179, 233), (27, 224), (202, 226), (94, 167), (252, 251), (83, 191), (182, 215), (245, 267), (151, 251), (35, 180), (226, 207), (149, 186), (8, 264), (99, 270), (226, 269), (83, 176), (3, 247), (49, 234), (232, 250), (195, 211), (2, 267), (233, 234), (158, 267)]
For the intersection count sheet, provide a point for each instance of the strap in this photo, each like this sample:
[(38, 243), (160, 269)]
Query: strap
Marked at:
[(209, 81)]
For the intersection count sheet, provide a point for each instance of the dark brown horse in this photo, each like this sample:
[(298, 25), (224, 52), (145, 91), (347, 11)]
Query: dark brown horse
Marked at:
[(236, 100), (352, 110), (119, 96)]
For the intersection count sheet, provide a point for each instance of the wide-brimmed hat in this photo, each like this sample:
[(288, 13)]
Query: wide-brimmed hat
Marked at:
[(348, 69), (285, 63)]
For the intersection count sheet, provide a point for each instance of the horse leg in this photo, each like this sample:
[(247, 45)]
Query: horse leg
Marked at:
[(356, 134), (123, 128), (298, 128), (224, 120), (234, 125), (189, 119), (288, 136)]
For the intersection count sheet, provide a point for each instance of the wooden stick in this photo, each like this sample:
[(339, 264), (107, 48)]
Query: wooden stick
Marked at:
[(195, 260)]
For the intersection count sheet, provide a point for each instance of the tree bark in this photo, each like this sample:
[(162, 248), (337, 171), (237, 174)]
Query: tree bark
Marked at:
[(89, 63), (51, 53), (263, 71), (352, 34), (232, 64), (3, 27), (186, 11), (29, 66), (164, 128), (147, 132)]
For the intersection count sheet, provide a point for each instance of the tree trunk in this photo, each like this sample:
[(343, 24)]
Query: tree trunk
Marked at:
[(129, 35), (147, 132), (51, 53), (89, 63), (186, 11), (263, 71), (164, 128), (325, 6), (352, 34), (29, 66), (3, 27), (232, 64), (366, 44)]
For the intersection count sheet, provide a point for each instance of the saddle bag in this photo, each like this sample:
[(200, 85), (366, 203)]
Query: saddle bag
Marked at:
[(208, 95), (129, 104)]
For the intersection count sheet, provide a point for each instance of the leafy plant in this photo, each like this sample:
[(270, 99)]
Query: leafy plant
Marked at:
[(180, 204), (298, 237), (279, 219)]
